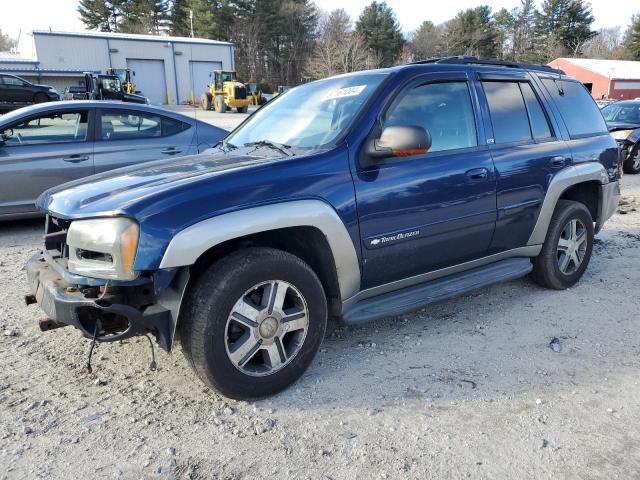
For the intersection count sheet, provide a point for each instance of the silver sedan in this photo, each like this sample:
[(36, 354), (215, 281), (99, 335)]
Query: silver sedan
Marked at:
[(45, 145)]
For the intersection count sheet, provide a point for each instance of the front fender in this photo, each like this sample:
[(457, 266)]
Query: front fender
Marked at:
[(189, 244)]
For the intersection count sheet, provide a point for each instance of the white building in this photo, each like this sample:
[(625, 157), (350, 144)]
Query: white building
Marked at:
[(166, 69)]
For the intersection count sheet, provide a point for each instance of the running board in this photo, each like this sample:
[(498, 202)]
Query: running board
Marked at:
[(418, 296)]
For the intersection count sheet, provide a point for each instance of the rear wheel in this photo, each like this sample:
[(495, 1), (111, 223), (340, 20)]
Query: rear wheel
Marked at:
[(205, 101), (567, 249), (220, 106), (253, 322), (242, 109), (632, 163)]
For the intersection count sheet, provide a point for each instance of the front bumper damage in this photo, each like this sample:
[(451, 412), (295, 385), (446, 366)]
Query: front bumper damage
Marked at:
[(109, 313)]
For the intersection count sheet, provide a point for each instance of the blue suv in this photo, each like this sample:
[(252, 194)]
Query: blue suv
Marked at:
[(359, 196)]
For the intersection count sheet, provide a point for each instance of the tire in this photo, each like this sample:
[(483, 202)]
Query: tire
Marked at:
[(555, 268), (221, 107), (40, 98), (233, 357), (205, 101), (632, 164), (242, 109)]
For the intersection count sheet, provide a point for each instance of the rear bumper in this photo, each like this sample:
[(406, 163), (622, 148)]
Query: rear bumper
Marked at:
[(609, 198), (68, 304)]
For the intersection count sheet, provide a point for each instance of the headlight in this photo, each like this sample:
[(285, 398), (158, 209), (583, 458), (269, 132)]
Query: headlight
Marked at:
[(621, 134), (103, 247)]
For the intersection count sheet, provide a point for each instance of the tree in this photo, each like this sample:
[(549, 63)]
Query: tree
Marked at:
[(145, 16), (426, 42), (380, 29), (6, 42), (607, 44), (180, 24), (632, 39), (473, 32), (339, 49), (103, 15), (563, 26)]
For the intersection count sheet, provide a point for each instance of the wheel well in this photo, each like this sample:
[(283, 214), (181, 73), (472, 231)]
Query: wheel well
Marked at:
[(307, 243), (587, 193)]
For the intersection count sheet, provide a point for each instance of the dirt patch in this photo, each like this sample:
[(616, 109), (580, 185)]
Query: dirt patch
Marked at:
[(471, 387)]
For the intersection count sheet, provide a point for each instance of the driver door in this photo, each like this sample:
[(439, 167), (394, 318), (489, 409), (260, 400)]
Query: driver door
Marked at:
[(425, 212), (41, 152)]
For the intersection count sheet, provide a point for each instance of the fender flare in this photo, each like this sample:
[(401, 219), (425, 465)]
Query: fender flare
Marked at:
[(563, 180), (189, 244)]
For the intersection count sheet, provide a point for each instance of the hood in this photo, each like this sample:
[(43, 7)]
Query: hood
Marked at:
[(613, 126), (44, 87), (118, 191)]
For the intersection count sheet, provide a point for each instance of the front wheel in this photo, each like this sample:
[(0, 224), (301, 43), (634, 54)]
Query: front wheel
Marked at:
[(253, 322), (242, 109), (40, 98), (567, 248), (632, 163)]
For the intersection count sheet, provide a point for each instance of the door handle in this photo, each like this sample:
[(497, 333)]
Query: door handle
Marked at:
[(557, 162), (170, 151), (76, 158), (477, 174)]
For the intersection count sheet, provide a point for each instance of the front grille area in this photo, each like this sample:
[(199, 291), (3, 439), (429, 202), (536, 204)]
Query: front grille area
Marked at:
[(55, 237), (240, 93)]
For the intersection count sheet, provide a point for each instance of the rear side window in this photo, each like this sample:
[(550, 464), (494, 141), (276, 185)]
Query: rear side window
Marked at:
[(508, 112), (539, 122), (171, 126), (580, 113), (129, 125), (443, 109)]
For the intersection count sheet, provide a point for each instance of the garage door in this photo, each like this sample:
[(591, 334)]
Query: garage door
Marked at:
[(149, 78), (200, 78)]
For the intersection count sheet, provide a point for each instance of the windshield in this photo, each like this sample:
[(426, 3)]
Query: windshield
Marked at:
[(626, 113), (311, 115), (226, 76), (111, 84)]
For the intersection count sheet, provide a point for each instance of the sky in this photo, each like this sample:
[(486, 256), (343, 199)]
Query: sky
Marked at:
[(26, 15)]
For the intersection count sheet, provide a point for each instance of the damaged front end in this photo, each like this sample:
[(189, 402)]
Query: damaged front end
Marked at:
[(105, 310)]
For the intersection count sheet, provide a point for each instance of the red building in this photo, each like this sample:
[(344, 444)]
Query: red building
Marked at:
[(614, 79)]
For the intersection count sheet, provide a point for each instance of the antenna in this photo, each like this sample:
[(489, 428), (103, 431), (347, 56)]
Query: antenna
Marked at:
[(191, 21)]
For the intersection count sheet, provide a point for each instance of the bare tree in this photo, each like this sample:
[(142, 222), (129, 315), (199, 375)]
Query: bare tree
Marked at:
[(339, 49), (6, 42), (607, 44)]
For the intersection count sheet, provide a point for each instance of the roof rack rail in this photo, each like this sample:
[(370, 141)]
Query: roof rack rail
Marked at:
[(470, 60)]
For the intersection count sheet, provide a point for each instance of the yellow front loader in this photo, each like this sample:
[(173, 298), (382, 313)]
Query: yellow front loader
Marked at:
[(226, 92)]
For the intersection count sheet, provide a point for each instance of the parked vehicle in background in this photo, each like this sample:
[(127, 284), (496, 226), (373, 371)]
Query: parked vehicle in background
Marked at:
[(75, 93), (45, 145), (16, 92), (109, 87), (126, 79), (361, 196), (623, 120), (604, 102)]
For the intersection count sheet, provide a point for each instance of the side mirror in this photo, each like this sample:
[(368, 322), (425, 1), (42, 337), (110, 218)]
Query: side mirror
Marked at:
[(400, 141)]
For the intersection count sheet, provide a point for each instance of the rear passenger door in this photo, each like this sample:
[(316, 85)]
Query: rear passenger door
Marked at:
[(527, 150), (125, 137)]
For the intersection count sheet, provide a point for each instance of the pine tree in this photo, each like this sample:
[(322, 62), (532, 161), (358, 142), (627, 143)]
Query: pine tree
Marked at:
[(563, 26), (632, 39), (180, 24), (145, 16), (382, 34), (6, 42), (473, 32), (103, 15)]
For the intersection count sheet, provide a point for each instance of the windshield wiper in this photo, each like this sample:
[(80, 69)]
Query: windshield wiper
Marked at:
[(281, 147)]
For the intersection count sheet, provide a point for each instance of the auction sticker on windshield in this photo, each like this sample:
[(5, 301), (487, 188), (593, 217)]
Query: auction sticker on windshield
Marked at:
[(345, 92)]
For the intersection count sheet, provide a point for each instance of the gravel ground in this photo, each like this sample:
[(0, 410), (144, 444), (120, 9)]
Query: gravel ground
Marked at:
[(469, 388)]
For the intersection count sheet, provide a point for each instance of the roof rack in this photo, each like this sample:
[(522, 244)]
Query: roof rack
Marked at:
[(470, 60)]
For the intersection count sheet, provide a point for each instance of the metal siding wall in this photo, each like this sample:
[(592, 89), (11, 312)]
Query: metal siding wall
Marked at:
[(186, 53), (81, 53), (71, 53)]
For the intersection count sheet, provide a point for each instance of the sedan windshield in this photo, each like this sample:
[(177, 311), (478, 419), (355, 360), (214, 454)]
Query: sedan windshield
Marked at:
[(625, 113), (309, 116)]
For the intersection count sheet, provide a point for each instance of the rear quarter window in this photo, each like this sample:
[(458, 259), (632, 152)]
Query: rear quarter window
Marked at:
[(579, 111)]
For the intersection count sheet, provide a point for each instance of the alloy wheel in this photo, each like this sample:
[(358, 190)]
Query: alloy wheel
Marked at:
[(572, 246), (266, 328)]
